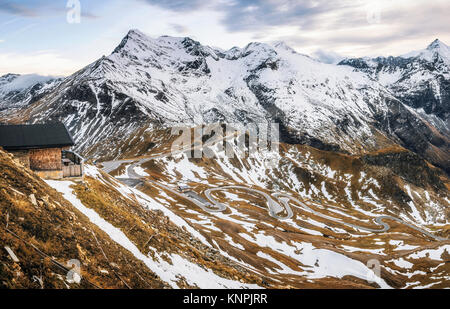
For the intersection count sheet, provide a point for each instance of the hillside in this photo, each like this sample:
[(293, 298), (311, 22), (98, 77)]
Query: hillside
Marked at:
[(328, 209), (421, 80), (122, 238)]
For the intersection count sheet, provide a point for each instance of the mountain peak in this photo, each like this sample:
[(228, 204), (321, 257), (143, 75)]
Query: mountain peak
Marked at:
[(436, 50), (132, 35), (135, 32), (436, 44), (136, 38), (9, 75), (439, 49), (283, 45)]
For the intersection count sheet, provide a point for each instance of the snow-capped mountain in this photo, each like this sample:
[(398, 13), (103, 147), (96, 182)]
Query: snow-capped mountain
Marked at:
[(150, 82), (421, 79), (20, 90), (437, 51)]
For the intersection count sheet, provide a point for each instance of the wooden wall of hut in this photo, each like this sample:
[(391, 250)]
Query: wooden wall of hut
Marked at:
[(45, 159)]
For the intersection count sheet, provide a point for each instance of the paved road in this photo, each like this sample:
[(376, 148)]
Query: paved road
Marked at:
[(205, 206), (285, 198), (274, 207), (110, 166), (131, 182)]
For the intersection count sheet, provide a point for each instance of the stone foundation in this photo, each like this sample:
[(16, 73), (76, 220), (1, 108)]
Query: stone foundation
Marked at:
[(50, 175)]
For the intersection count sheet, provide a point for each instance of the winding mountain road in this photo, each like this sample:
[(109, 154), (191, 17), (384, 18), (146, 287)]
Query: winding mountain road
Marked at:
[(274, 207), (285, 198)]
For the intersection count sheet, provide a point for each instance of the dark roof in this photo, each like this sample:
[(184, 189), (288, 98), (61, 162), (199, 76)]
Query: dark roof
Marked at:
[(19, 137)]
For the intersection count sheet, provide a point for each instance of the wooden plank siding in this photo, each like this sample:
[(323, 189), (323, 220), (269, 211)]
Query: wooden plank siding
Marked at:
[(72, 171), (48, 163)]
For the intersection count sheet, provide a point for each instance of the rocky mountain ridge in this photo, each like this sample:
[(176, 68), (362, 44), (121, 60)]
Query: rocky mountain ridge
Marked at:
[(153, 83)]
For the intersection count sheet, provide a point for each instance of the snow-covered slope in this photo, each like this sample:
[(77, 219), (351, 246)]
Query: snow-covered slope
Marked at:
[(172, 268), (421, 79), (118, 236), (19, 90)]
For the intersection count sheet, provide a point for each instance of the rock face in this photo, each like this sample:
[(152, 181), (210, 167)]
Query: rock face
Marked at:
[(420, 80), (148, 83)]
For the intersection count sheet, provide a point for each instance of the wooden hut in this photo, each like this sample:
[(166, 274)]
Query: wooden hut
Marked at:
[(44, 148)]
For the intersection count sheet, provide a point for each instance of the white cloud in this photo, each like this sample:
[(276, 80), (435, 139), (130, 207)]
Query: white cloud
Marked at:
[(45, 63), (327, 56), (25, 81), (370, 28), (353, 28)]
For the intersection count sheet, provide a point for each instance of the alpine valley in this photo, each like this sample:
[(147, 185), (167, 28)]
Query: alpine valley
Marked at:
[(359, 197)]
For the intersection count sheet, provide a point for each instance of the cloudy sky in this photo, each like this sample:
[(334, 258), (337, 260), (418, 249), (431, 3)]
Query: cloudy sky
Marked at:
[(45, 37)]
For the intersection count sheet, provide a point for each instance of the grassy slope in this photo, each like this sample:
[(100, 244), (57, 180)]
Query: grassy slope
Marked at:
[(54, 227), (58, 230), (151, 231)]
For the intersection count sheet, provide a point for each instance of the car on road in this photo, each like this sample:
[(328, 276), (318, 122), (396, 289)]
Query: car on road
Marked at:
[(184, 188)]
